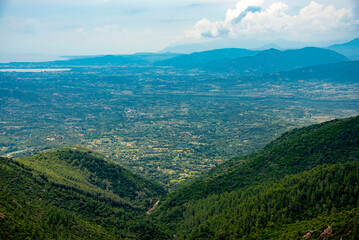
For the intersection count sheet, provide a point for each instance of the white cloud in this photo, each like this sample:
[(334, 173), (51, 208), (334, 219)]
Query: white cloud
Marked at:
[(207, 29), (250, 18), (242, 8)]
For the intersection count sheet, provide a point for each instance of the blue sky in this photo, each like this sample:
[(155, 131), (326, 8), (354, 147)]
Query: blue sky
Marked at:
[(50, 28)]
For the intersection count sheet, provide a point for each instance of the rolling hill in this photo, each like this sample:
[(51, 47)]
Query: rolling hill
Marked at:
[(72, 194)]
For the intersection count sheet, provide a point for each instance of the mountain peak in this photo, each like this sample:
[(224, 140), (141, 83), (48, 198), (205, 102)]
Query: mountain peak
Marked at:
[(270, 51), (349, 49), (355, 42)]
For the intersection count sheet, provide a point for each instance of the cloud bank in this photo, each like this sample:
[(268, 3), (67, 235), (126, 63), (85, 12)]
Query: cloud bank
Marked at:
[(251, 19)]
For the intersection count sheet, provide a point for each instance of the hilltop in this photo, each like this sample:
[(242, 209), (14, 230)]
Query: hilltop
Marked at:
[(349, 49)]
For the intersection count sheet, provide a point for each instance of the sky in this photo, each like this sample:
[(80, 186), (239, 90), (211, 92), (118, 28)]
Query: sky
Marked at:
[(50, 28)]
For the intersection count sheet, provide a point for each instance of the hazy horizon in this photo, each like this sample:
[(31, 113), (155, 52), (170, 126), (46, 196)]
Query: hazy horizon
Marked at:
[(43, 30)]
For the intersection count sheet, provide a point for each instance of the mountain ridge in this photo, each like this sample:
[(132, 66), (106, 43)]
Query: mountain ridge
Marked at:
[(273, 60), (199, 58), (249, 62), (349, 49)]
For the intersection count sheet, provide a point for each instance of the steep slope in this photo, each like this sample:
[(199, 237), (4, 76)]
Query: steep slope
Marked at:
[(349, 49), (85, 172), (29, 208), (323, 191), (273, 60), (87, 194), (198, 59), (295, 152)]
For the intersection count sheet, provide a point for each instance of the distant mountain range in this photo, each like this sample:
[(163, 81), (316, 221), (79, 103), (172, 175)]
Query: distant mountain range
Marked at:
[(201, 58), (226, 60), (247, 43), (349, 49), (253, 62)]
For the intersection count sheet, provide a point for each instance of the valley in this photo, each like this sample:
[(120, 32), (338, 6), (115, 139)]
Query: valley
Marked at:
[(166, 124)]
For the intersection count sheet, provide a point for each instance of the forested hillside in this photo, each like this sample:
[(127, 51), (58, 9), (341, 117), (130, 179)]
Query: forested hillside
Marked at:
[(86, 172), (325, 191), (72, 194), (305, 183), (293, 152), (307, 173)]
